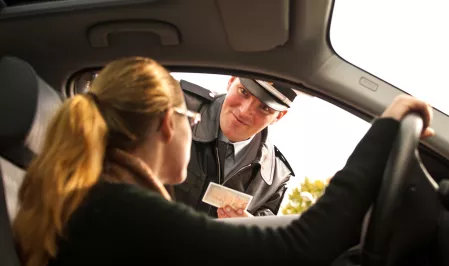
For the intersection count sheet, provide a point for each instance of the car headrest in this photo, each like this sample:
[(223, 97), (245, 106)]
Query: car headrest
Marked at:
[(27, 104)]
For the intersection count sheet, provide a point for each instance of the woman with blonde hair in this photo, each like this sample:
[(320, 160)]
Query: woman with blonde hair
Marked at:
[(96, 195)]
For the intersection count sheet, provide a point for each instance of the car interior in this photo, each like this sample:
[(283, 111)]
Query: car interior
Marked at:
[(50, 50)]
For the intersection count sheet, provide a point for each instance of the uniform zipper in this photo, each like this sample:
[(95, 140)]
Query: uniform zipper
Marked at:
[(218, 164), (219, 172), (238, 172)]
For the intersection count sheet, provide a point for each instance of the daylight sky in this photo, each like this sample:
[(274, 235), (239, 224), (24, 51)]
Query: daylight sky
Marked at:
[(403, 42)]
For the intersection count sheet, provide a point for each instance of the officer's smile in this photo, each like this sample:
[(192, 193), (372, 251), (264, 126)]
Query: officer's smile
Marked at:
[(240, 121)]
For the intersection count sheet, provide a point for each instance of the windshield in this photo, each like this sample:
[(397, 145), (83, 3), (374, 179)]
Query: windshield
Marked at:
[(403, 42)]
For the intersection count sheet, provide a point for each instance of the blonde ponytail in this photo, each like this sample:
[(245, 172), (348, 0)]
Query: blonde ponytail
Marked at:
[(131, 93), (59, 178)]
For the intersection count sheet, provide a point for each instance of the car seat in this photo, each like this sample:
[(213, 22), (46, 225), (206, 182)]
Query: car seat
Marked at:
[(26, 106)]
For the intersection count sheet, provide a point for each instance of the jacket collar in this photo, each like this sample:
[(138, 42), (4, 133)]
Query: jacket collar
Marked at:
[(209, 128), (266, 157)]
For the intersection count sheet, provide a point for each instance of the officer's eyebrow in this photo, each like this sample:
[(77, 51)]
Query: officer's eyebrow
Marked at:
[(240, 84)]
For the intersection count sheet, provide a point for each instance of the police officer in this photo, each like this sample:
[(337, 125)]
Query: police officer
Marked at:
[(231, 144)]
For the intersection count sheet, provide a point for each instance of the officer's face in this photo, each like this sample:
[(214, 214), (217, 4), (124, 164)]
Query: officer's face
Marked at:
[(243, 115)]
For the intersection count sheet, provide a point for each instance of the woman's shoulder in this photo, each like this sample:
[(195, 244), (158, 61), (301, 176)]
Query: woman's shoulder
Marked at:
[(106, 193), (125, 207), (116, 219), (108, 200)]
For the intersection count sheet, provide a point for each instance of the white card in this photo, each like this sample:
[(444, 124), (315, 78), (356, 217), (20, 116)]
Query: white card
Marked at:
[(220, 196)]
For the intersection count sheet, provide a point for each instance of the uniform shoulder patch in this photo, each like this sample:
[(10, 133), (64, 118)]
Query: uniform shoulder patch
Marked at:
[(282, 157), (197, 90)]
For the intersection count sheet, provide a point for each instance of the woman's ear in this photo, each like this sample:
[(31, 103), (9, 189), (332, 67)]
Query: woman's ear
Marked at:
[(167, 128)]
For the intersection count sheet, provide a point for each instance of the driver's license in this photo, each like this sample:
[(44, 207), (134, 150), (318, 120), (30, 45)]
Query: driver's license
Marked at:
[(220, 196)]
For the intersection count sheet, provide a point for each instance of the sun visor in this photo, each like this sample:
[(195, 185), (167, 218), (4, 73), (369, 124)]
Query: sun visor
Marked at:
[(254, 25)]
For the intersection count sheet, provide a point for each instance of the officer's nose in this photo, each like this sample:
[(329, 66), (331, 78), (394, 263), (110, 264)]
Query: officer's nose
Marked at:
[(247, 106)]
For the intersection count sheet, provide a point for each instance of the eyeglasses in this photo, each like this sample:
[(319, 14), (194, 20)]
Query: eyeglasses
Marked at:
[(194, 118)]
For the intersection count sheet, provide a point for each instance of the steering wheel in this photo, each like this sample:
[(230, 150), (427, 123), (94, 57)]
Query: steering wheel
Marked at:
[(404, 216)]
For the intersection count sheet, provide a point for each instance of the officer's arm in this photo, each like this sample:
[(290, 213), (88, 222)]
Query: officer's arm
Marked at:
[(272, 205)]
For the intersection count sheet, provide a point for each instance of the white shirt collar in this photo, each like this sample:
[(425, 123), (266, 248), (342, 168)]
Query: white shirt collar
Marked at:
[(238, 146)]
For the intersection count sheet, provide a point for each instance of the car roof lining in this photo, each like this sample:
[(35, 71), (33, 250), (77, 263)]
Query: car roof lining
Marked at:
[(55, 42), (45, 7), (250, 29)]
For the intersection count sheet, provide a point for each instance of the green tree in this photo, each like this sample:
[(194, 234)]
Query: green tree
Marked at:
[(302, 197)]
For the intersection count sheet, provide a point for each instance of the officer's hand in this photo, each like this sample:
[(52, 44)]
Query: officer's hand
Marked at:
[(229, 212), (405, 104)]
